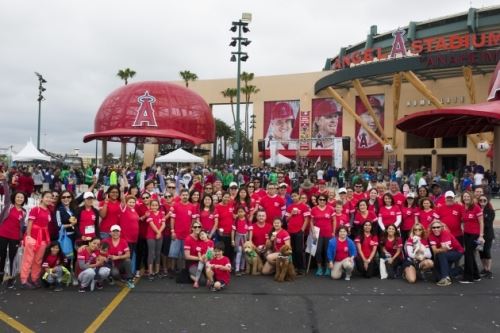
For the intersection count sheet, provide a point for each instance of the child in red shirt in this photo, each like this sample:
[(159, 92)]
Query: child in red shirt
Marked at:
[(52, 264), (239, 235), (218, 269), (205, 253)]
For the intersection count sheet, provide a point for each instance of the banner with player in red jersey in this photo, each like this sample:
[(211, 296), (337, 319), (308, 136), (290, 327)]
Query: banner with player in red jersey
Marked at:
[(367, 147), (280, 124), (326, 122)]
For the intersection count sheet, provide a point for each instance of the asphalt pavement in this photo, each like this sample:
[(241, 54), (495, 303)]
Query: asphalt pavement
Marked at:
[(259, 304)]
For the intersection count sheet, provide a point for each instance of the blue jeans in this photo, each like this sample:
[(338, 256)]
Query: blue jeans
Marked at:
[(444, 260)]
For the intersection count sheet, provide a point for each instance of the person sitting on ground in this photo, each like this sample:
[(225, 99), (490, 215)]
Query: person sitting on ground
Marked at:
[(391, 246), (87, 265), (119, 253), (418, 254), (341, 253), (366, 244), (53, 266), (218, 269), (277, 238)]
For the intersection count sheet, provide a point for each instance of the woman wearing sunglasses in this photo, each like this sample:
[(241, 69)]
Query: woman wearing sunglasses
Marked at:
[(447, 251), (489, 235), (418, 254)]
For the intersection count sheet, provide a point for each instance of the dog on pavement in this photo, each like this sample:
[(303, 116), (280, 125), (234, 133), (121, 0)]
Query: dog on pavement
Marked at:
[(285, 271), (253, 260)]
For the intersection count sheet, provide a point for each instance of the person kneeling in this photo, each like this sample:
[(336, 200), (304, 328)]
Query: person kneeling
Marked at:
[(341, 253), (447, 251), (218, 270)]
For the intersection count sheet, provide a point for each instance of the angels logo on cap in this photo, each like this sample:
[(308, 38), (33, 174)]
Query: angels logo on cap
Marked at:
[(282, 111)]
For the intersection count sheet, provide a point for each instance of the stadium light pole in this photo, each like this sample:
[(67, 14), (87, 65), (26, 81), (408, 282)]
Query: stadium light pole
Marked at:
[(41, 89), (242, 27)]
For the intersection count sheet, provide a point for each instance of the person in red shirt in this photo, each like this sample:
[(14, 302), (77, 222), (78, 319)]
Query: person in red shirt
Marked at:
[(52, 264), (205, 253), (297, 216), (366, 243), (258, 192), (141, 258), (399, 198), (218, 270), (241, 231), (87, 226), (181, 218), (360, 217), (322, 216), (244, 200), (346, 204), (389, 213), (35, 241), (192, 250), (391, 247), (374, 201), (417, 252), (438, 199), (261, 231), (88, 262), (473, 236), (25, 183), (447, 251), (408, 211), (341, 219), (208, 216), (272, 203), (277, 238), (154, 238), (451, 214), (110, 210), (224, 219), (119, 253), (426, 214), (358, 194), (11, 217)]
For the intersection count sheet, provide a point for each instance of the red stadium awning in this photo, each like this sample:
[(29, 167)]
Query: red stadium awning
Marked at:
[(453, 121), (131, 135)]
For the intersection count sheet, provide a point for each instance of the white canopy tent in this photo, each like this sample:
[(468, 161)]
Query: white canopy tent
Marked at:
[(30, 153), (179, 156), (280, 159)]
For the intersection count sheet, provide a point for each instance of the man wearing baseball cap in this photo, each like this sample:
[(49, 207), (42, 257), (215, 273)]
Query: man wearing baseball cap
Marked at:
[(281, 125), (325, 124), (450, 213), (364, 140)]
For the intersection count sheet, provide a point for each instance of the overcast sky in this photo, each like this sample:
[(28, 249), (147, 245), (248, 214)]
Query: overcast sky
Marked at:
[(79, 46)]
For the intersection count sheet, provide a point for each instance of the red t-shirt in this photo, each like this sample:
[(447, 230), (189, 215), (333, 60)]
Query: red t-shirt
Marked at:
[(51, 261), (219, 274), (226, 218), (281, 237), (471, 221), (452, 217), (356, 197), (87, 257), (10, 228), (348, 208), (389, 215), (342, 250), (157, 219), (296, 214), (407, 217), (399, 199), (112, 215), (426, 218), (86, 225), (41, 218), (207, 220), (205, 245), (258, 194), (261, 234), (274, 206), (120, 249), (249, 208), (183, 217), (194, 247), (322, 218), (445, 239), (141, 209), (341, 220), (392, 246), (360, 219), (241, 226), (129, 222), (367, 245), (439, 201)]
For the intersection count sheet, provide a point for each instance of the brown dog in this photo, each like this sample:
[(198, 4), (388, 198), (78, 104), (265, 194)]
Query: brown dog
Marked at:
[(253, 260), (284, 265)]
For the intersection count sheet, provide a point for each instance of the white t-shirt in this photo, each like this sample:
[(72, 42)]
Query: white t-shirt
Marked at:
[(319, 174), (422, 182), (478, 179)]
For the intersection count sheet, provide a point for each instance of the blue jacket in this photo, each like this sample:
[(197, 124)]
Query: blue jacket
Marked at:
[(332, 248)]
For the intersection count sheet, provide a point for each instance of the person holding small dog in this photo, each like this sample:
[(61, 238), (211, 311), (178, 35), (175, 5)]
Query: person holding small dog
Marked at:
[(277, 238), (218, 269), (297, 215), (341, 253), (366, 244), (418, 253), (322, 216), (447, 251)]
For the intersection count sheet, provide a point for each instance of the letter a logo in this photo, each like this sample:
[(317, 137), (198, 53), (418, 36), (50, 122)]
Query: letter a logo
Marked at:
[(145, 113), (398, 45)]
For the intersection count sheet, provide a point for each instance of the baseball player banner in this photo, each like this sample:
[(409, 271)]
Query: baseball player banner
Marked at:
[(367, 147), (280, 124), (326, 122)]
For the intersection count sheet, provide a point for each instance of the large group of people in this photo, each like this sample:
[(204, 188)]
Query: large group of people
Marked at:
[(193, 224)]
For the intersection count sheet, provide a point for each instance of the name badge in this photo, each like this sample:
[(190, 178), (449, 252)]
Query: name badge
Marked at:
[(90, 229)]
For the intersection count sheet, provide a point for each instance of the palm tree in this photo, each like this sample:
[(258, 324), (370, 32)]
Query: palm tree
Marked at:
[(231, 94), (188, 76), (126, 74), (248, 91), (224, 133)]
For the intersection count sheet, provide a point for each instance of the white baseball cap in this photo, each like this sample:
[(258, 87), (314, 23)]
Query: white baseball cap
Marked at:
[(411, 195), (88, 195), (115, 227), (342, 190), (233, 184), (449, 194)]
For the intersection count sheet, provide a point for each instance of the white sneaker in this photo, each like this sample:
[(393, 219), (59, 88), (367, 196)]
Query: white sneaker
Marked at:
[(92, 285), (138, 274), (347, 278)]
